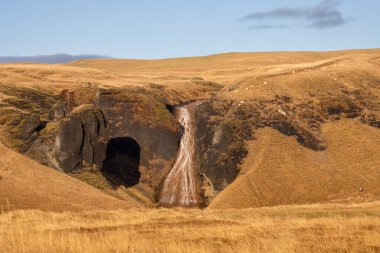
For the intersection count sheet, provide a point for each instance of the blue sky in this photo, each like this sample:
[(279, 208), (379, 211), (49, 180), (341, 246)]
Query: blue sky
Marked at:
[(174, 28)]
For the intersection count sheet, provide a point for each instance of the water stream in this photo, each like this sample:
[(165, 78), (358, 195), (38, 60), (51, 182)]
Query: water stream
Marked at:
[(179, 186)]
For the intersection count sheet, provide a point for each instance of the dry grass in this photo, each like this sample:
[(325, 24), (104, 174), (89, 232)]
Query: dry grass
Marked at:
[(26, 184), (219, 67), (270, 174), (317, 228), (180, 76)]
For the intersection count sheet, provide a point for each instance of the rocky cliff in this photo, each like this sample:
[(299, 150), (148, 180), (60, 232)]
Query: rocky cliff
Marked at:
[(303, 102), (71, 132)]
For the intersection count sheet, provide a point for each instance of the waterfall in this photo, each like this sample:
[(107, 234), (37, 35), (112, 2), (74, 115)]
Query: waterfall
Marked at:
[(179, 185)]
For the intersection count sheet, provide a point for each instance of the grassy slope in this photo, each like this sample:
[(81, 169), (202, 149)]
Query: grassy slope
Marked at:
[(260, 75), (307, 81), (280, 171), (224, 68), (316, 228), (54, 77), (25, 184), (211, 62), (180, 75)]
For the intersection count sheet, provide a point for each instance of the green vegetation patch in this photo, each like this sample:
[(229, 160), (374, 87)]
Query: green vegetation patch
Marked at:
[(208, 84), (10, 116), (29, 99), (161, 113), (51, 128), (94, 178), (18, 105)]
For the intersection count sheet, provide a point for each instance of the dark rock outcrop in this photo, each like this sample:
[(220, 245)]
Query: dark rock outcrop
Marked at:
[(28, 126), (220, 143), (81, 138), (140, 115), (224, 126), (58, 112), (76, 137)]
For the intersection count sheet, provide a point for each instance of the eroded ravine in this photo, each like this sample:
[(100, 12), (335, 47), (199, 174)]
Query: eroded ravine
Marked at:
[(179, 187)]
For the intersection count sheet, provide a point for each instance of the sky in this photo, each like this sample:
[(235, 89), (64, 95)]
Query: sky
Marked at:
[(153, 29)]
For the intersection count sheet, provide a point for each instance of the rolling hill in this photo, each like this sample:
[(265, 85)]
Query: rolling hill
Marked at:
[(292, 127)]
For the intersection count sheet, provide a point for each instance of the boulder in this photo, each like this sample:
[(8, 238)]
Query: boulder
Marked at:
[(27, 127)]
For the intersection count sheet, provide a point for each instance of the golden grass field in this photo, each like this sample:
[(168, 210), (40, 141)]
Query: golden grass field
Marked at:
[(313, 228)]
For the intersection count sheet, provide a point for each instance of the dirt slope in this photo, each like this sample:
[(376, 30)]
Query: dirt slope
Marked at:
[(25, 184), (278, 170)]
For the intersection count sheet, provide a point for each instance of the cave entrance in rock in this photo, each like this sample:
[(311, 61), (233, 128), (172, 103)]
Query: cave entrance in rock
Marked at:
[(122, 162)]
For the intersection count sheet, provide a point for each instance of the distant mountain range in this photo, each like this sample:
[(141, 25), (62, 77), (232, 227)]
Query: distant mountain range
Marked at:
[(54, 58)]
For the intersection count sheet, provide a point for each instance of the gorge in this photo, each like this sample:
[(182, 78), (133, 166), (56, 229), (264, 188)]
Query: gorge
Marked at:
[(142, 140)]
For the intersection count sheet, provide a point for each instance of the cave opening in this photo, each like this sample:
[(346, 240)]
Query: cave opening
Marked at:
[(121, 166)]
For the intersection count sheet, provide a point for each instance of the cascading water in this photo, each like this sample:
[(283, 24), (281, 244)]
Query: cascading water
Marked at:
[(179, 186)]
